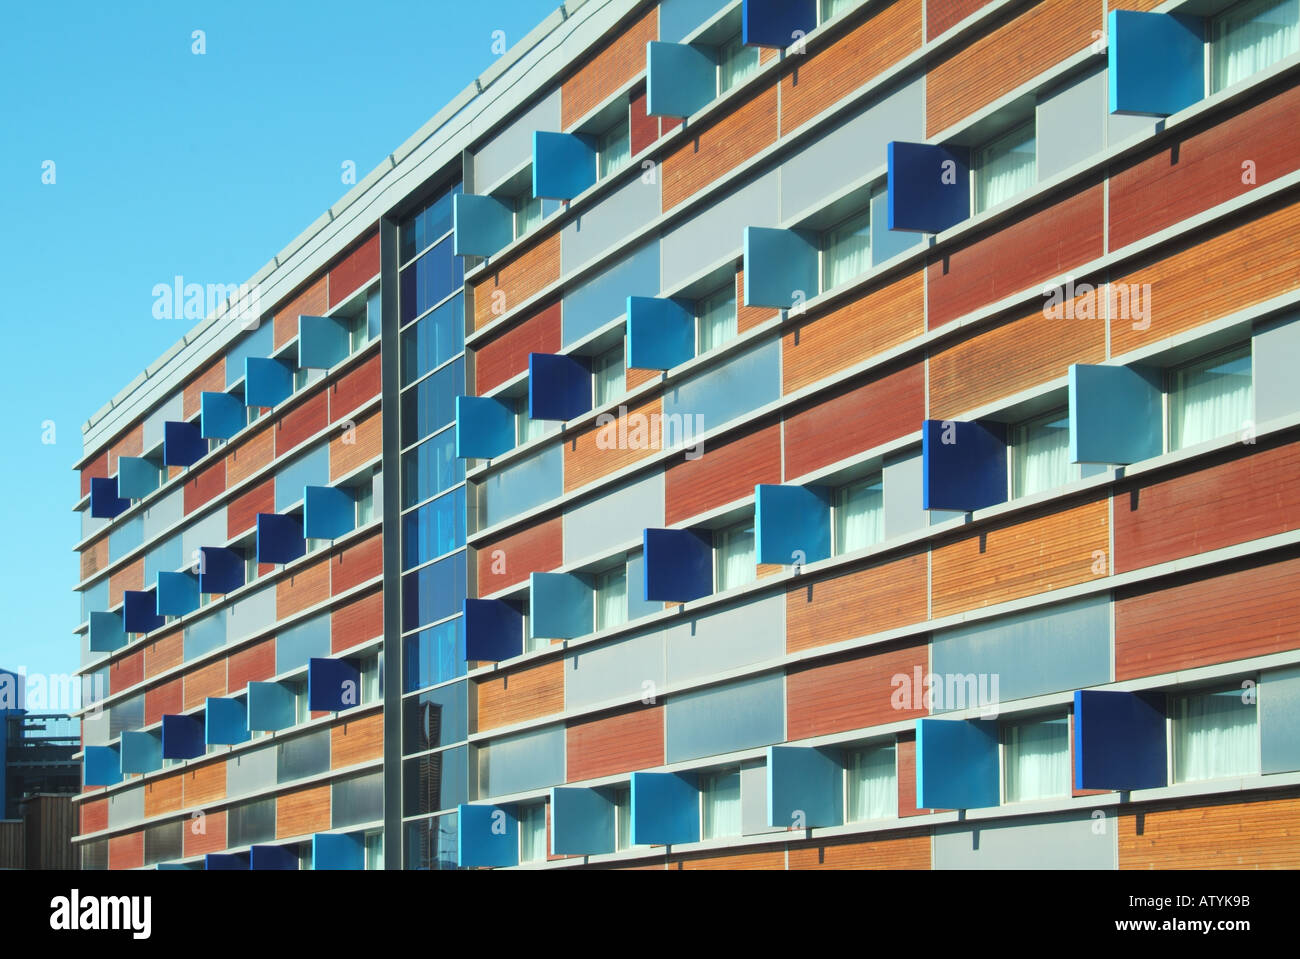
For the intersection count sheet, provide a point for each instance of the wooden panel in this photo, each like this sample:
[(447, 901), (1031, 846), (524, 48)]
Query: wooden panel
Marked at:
[(356, 388), (354, 448), (748, 317), (855, 690), (1247, 493), (357, 622), (521, 694), (507, 354), (1262, 833), (128, 577), (1024, 350), (1217, 272), (766, 858), (1041, 37), (126, 672), (1049, 241), (126, 852), (205, 835), (824, 78), (859, 416), (211, 380), (205, 784), (871, 323), (304, 422), (832, 610), (616, 742), (312, 301), (94, 815), (251, 455), (1143, 5), (516, 281), (906, 747), (94, 557), (252, 664), (358, 266), (1204, 618), (357, 741), (727, 471), (586, 461), (130, 443), (634, 378), (643, 130), (538, 548), (95, 469), (357, 563), (911, 851), (163, 795), (302, 812), (306, 587), (205, 486), (719, 147), (1020, 557), (943, 15), (619, 59), (241, 512), (209, 680), (164, 653), (167, 699)]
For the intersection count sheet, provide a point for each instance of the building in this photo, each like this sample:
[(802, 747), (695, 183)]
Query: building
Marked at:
[(39, 775), (891, 465)]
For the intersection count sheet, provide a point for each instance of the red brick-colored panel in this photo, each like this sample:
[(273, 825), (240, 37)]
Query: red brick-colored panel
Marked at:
[(727, 471), (617, 61), (95, 469), (128, 577), (720, 147), (942, 15), (167, 699), (209, 680), (864, 688), (833, 609), (251, 455), (748, 317), (357, 563), (94, 557), (130, 443), (600, 450), (307, 586), (507, 354), (126, 672), (516, 281), (312, 301), (616, 742), (211, 380), (359, 265), (252, 664), (205, 835), (205, 486), (302, 423), (357, 622), (94, 815), (907, 778), (643, 129), (126, 852), (241, 512), (356, 388), (538, 548)]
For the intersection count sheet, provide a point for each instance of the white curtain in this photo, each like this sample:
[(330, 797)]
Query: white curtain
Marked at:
[(873, 784), (1253, 38), (528, 214), (1007, 167), (532, 833), (1038, 759), (831, 8), (717, 319), (611, 598), (609, 376), (1210, 398), (623, 818), (736, 565), (720, 801), (1215, 735), (735, 62), (848, 251), (1041, 455), (615, 149), (859, 516)]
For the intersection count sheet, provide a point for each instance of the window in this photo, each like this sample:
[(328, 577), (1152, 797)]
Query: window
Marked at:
[(301, 375), (607, 376), (1037, 759), (720, 804), (533, 643), (1210, 397), (299, 688), (1006, 167), (374, 850), (365, 496), (615, 149), (371, 668), (1216, 734), (528, 214), (871, 778), (1040, 454), (859, 515), (833, 8), (611, 598), (358, 332), (736, 62), (532, 832), (250, 564), (622, 818), (1252, 37), (734, 553), (527, 429), (846, 250), (715, 319)]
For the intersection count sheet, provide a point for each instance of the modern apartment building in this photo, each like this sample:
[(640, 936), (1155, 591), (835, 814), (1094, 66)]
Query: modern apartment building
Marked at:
[(763, 434)]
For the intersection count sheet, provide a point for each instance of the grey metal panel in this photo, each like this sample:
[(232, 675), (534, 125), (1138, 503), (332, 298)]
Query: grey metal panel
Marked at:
[(209, 531), (624, 211), (90, 525), (526, 761), (312, 469), (725, 718), (204, 634), (125, 807), (165, 512), (1073, 840), (514, 144), (94, 729), (719, 229), (1071, 124), (1120, 127), (1064, 647), (1276, 349), (886, 243), (523, 485), (1279, 720), (901, 477), (614, 670), (721, 393), (125, 538), (854, 147), (738, 636), (172, 410), (753, 799), (637, 605), (94, 599), (294, 646), (603, 297), (614, 517), (251, 771), (677, 18), (251, 613)]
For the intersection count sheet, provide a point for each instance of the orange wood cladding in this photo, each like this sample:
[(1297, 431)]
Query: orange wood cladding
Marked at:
[(521, 694), (1219, 271), (251, 454), (727, 471), (859, 416), (211, 380), (748, 317), (538, 548), (911, 851), (1261, 833), (349, 450), (303, 422), (513, 283), (719, 147), (252, 664), (205, 784), (1247, 494), (126, 672), (130, 443), (1045, 243), (621, 741), (96, 468), (507, 355), (94, 815), (1019, 557), (1200, 619), (852, 691), (769, 858), (1205, 168), (209, 680), (126, 852), (829, 75), (306, 587), (164, 653), (165, 699), (205, 486), (210, 837), (357, 563), (356, 388), (1042, 37), (357, 622), (94, 557), (163, 795), (617, 62), (241, 512), (906, 747), (302, 812), (874, 321), (128, 577), (585, 461), (1022, 351), (1145, 6), (312, 301), (943, 15), (634, 377), (358, 265), (832, 610), (357, 741)]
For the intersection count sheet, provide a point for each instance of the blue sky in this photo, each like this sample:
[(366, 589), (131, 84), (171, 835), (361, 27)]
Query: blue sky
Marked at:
[(167, 162)]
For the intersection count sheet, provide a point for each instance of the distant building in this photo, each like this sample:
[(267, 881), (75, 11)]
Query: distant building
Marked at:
[(38, 776)]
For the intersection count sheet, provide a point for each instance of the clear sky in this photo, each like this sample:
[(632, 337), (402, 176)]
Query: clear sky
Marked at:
[(169, 162)]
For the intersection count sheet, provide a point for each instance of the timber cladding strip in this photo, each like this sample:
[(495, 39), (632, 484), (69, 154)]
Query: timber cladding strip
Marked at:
[(1263, 833)]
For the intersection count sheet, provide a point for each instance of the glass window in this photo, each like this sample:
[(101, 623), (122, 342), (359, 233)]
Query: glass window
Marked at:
[(427, 225), (435, 718), (434, 340), (622, 818), (611, 598), (357, 800), (1006, 167), (716, 319), (431, 404), (859, 515), (375, 850), (1210, 398), (372, 673), (431, 843), (431, 655), (846, 250), (365, 497), (250, 564), (433, 592), (1040, 454), (533, 643), (720, 803), (431, 468), (304, 755), (527, 429), (528, 214), (251, 822), (833, 8), (615, 148), (871, 777), (358, 332), (1216, 734), (607, 376), (1252, 37), (736, 62), (734, 555), (431, 279), (434, 530), (532, 832), (163, 842), (436, 781), (1037, 759)]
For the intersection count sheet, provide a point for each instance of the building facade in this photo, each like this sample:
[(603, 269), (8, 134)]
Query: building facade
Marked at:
[(739, 434)]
